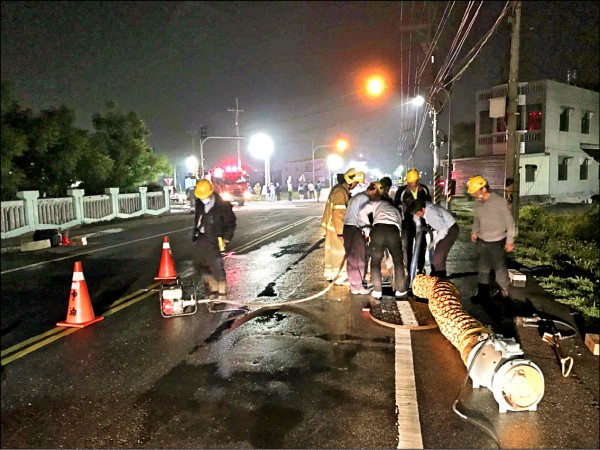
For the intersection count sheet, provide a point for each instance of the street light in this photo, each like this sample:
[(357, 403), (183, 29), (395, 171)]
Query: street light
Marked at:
[(192, 164), (261, 147), (334, 162), (418, 101), (341, 145)]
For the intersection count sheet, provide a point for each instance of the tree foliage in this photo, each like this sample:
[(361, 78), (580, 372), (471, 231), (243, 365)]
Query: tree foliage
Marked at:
[(463, 140), (48, 153)]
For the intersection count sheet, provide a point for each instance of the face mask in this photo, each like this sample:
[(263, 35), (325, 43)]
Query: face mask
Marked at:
[(206, 201)]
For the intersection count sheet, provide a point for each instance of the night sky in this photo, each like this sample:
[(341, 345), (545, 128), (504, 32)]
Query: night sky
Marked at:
[(294, 66)]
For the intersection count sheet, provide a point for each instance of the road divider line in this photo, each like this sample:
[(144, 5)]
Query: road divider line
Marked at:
[(59, 332), (409, 427), (77, 255), (39, 345)]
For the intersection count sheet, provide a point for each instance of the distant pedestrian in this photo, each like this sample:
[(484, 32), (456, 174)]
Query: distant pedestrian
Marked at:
[(311, 190), (290, 188), (265, 192), (278, 191), (445, 232), (493, 232), (318, 190), (272, 193), (301, 190)]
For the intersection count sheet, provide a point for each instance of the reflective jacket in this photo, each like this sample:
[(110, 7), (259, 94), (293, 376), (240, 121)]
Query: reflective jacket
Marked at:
[(335, 209)]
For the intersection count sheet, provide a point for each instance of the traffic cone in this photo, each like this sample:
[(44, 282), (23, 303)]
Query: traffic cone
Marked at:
[(166, 270), (79, 313)]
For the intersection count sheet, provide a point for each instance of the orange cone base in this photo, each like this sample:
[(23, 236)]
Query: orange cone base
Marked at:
[(79, 325), (173, 278)]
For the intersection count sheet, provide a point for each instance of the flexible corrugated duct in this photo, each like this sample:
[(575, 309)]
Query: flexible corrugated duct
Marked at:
[(492, 360)]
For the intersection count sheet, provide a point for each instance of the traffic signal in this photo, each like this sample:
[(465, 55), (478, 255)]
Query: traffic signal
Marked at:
[(203, 133)]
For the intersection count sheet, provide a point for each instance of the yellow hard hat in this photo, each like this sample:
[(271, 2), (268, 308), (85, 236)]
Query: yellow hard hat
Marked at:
[(352, 175), (203, 189), (412, 175), (475, 183)]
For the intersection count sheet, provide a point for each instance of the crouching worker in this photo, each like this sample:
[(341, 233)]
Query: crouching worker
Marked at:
[(214, 227), (446, 231)]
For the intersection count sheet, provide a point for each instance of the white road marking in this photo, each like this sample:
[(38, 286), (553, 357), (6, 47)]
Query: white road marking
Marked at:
[(409, 427), (406, 313), (237, 250)]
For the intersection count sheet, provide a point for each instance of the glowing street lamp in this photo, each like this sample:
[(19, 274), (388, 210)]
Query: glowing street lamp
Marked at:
[(261, 147), (341, 145), (334, 162), (376, 86)]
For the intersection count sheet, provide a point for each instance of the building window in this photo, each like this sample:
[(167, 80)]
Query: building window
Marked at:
[(530, 172), (563, 168), (501, 124), (583, 169), (585, 123), (485, 122), (564, 120), (534, 117)]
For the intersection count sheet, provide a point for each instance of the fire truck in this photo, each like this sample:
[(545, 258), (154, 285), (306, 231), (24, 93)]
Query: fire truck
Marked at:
[(231, 183)]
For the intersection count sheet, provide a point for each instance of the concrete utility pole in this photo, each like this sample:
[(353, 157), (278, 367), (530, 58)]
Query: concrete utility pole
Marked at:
[(237, 111), (512, 139)]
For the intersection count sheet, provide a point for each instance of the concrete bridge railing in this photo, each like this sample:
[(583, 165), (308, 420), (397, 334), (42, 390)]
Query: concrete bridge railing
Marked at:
[(32, 213)]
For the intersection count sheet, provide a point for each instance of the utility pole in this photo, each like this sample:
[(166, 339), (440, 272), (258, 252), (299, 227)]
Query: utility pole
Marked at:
[(512, 139), (194, 133), (237, 111)]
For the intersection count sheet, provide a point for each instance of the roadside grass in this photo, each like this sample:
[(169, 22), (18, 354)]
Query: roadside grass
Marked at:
[(561, 248)]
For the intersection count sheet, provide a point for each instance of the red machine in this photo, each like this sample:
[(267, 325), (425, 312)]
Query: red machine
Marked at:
[(231, 183)]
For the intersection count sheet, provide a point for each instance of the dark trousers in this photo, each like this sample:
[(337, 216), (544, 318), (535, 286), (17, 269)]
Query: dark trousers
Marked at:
[(409, 230), (290, 196), (492, 256), (442, 248), (207, 257), (384, 236), (355, 247)]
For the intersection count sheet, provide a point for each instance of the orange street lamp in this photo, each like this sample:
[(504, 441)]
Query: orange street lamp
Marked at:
[(341, 145), (376, 86)]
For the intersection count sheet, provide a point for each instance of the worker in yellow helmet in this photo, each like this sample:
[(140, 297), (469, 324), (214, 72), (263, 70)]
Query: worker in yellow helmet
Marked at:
[(493, 232), (333, 223), (215, 224), (406, 194)]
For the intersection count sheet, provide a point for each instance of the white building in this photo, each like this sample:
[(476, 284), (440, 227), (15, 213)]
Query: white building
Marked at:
[(558, 133)]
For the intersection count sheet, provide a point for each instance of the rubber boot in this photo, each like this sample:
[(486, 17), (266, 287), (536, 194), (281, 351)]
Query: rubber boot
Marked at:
[(482, 294)]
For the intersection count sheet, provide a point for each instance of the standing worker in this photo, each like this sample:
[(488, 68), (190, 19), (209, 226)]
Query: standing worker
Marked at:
[(385, 234), (333, 222), (412, 190), (214, 227), (446, 232), (355, 244), (493, 232)]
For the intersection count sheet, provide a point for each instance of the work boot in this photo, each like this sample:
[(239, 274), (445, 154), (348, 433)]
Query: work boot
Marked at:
[(210, 283), (222, 287), (482, 294), (440, 274)]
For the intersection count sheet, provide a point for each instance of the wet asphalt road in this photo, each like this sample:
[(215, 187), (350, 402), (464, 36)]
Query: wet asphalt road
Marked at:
[(316, 374)]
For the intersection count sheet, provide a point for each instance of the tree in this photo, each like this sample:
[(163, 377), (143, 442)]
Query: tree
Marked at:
[(14, 143), (122, 136), (463, 140)]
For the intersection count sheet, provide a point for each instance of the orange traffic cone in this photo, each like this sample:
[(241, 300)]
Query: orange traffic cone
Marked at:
[(166, 270), (79, 313)]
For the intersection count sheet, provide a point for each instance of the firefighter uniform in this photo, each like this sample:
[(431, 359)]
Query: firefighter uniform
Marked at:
[(333, 223)]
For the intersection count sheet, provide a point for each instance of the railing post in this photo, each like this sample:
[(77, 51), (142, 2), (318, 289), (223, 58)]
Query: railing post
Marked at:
[(114, 199), (143, 198), (77, 195), (30, 204), (167, 196)]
